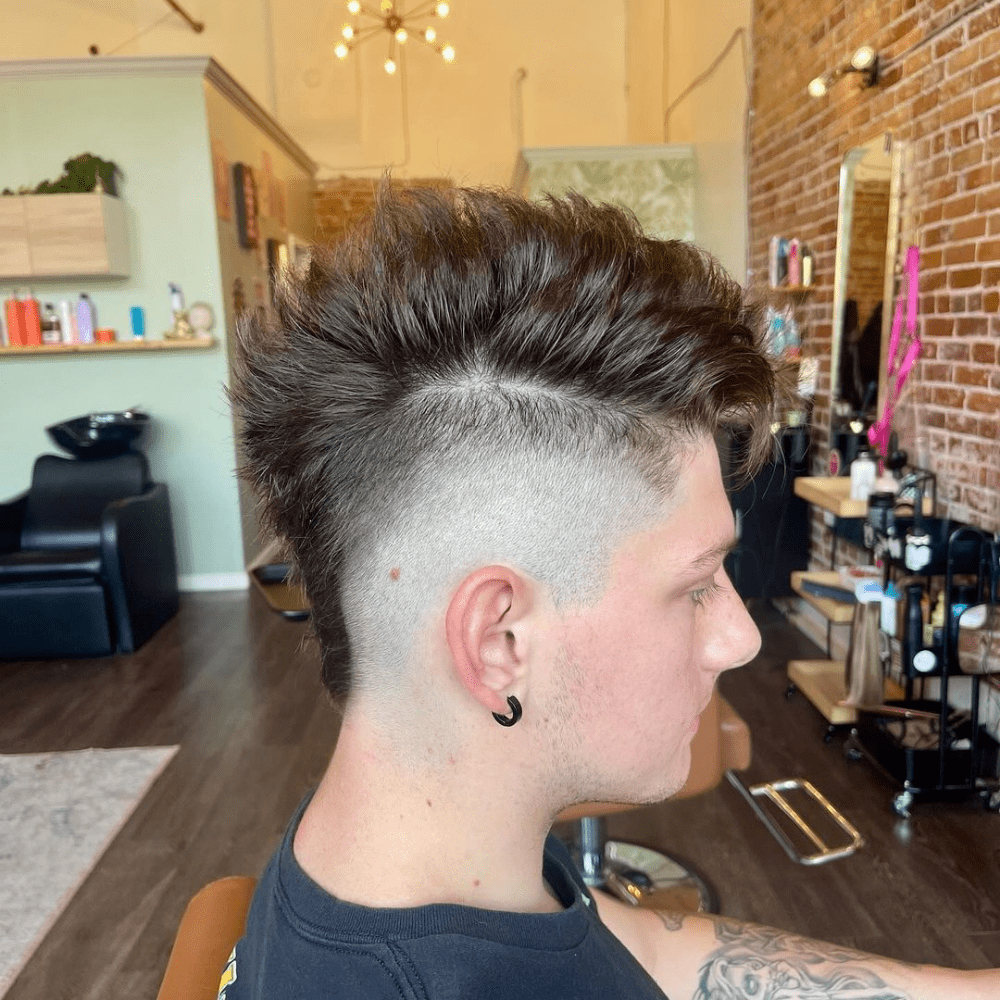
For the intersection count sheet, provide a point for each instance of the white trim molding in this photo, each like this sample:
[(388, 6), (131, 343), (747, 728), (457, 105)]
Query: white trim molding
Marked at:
[(195, 582)]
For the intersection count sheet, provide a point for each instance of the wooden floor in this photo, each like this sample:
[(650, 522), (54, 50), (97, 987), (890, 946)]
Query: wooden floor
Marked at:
[(236, 686)]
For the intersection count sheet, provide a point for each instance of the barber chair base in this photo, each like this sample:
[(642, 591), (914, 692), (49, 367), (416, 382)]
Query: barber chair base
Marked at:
[(649, 878)]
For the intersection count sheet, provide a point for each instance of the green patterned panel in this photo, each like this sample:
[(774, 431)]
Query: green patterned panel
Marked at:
[(659, 190)]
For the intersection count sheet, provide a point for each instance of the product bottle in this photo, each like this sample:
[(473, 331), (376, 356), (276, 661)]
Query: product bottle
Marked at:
[(14, 312), (68, 322), (937, 620), (138, 320), (32, 321), (863, 472), (84, 319), (913, 630), (890, 602), (794, 263), (807, 266), (51, 330)]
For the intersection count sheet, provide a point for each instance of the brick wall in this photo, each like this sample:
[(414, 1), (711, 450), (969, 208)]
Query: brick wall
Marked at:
[(342, 201), (940, 94), (943, 99)]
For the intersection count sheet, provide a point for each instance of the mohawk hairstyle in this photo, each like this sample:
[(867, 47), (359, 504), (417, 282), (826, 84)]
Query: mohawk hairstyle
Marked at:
[(455, 327)]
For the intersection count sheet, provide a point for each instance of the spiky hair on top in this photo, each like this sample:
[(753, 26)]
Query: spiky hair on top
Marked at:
[(473, 318)]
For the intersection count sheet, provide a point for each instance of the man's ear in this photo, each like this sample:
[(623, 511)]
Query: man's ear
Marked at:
[(486, 629)]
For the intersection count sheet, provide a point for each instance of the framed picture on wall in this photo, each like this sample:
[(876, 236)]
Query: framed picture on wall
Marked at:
[(247, 206)]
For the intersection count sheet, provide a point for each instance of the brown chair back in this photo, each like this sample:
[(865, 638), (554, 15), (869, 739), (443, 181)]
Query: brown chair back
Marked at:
[(212, 924)]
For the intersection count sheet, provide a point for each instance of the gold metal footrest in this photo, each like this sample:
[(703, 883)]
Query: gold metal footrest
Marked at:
[(774, 791)]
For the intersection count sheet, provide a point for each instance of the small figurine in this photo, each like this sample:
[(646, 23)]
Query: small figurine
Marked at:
[(182, 329)]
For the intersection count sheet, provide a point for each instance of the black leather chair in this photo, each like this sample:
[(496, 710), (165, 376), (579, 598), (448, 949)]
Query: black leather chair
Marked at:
[(87, 563)]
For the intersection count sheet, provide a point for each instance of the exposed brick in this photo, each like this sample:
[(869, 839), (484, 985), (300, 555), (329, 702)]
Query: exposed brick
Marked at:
[(939, 327), (967, 157), (987, 70), (947, 397), (961, 253), (971, 326), (987, 97), (965, 277), (968, 228), (956, 208), (985, 353), (965, 57), (967, 375), (951, 350), (936, 372), (984, 402), (988, 200), (988, 250), (943, 99), (984, 21)]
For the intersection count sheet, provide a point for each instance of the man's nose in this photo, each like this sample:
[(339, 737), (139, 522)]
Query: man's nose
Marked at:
[(737, 639)]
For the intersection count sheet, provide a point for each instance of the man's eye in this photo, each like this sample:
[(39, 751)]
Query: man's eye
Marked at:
[(703, 595)]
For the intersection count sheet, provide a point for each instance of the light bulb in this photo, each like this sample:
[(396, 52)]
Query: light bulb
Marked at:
[(387, 6), (448, 53), (817, 87), (863, 58), (401, 35), (354, 7), (347, 31), (389, 66), (442, 10), (429, 34), (340, 50)]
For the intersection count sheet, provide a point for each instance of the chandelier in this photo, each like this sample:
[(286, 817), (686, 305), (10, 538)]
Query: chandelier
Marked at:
[(399, 26)]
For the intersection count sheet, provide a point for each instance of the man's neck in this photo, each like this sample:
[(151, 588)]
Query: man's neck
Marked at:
[(382, 832)]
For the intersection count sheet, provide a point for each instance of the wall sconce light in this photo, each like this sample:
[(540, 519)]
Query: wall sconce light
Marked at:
[(864, 61)]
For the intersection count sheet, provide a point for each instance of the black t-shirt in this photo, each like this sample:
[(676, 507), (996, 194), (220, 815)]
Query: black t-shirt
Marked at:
[(301, 943)]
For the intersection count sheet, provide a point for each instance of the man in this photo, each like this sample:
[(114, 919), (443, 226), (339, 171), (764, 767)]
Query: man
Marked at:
[(485, 427)]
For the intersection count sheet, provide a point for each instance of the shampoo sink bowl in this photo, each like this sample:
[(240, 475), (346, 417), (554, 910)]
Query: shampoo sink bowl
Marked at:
[(99, 435)]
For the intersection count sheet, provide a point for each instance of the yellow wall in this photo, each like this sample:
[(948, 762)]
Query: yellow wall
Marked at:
[(711, 117), (599, 72), (461, 117)]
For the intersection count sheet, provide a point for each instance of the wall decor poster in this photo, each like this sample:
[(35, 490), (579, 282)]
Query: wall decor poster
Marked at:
[(247, 209), (220, 178), (268, 206)]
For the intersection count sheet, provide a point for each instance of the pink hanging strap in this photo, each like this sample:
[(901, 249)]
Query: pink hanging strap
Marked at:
[(898, 368)]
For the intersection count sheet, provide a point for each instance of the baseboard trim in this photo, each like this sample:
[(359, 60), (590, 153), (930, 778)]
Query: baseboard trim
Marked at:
[(194, 582)]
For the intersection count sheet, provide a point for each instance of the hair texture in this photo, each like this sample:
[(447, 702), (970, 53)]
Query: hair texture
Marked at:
[(471, 376)]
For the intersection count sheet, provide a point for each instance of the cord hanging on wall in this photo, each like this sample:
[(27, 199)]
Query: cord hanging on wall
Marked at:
[(864, 61)]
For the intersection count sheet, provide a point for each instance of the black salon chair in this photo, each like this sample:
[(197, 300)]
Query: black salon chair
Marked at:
[(87, 563)]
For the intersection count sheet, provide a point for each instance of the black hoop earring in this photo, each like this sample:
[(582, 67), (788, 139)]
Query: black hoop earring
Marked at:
[(515, 713)]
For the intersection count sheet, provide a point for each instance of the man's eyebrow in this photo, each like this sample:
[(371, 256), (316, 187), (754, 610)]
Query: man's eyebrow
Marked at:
[(715, 554)]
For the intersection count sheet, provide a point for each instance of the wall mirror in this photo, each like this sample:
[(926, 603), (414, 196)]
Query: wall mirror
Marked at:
[(864, 279)]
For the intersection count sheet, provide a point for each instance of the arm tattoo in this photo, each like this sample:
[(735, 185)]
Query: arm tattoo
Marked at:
[(765, 964)]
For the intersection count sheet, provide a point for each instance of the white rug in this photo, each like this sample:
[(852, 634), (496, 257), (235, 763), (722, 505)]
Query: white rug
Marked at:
[(58, 813)]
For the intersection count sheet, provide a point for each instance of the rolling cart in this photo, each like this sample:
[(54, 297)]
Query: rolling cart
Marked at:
[(922, 743)]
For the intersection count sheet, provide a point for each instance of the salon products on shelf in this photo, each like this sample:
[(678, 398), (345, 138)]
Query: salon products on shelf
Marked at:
[(51, 327), (863, 473), (23, 321), (68, 321), (85, 319), (790, 263)]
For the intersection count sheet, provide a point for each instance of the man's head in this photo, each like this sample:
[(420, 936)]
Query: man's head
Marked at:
[(474, 380)]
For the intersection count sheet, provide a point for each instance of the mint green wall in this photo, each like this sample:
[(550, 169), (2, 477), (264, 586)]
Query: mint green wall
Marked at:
[(155, 128)]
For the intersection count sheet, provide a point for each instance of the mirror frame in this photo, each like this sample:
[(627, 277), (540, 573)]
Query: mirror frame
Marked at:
[(845, 205)]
